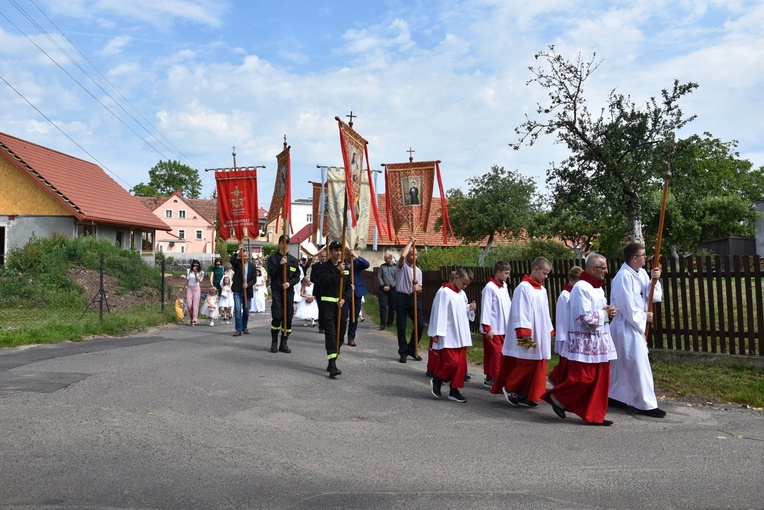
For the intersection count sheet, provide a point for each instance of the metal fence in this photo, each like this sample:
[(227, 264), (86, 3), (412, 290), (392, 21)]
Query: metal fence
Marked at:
[(710, 304)]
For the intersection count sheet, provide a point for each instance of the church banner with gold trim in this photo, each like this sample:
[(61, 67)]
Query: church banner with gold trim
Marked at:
[(361, 195), (356, 237), (320, 225), (281, 203), (237, 203), (409, 194)]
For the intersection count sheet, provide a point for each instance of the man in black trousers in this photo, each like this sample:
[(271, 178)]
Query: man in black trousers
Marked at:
[(282, 311)]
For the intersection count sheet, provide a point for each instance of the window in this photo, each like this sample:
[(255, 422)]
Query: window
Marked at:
[(182, 214), (183, 249), (85, 230), (310, 218), (168, 213), (147, 241), (181, 234), (198, 235)]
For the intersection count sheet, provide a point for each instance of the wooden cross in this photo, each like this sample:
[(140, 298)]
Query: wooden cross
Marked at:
[(351, 118), (285, 143), (411, 151)]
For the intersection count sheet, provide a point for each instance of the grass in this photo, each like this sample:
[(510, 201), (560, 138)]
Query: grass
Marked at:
[(58, 325), (686, 380)]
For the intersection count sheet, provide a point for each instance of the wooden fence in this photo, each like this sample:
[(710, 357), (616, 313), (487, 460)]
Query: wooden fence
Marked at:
[(710, 304)]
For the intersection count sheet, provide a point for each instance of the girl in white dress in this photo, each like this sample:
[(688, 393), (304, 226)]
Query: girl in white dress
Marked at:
[(308, 307), (258, 301), (210, 306), (225, 302)]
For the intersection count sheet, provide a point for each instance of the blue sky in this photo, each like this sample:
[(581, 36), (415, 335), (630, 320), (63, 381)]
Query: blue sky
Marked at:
[(447, 78)]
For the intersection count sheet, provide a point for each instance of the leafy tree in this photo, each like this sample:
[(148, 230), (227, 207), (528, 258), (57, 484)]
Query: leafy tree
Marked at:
[(498, 203), (166, 177), (611, 153), (711, 194), (575, 222)]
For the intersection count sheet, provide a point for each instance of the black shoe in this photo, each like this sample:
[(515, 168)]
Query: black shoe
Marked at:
[(652, 413), (511, 397), (559, 411), (333, 370), (429, 374), (403, 358), (283, 347), (274, 346), (467, 377), (456, 396), (605, 423), (616, 404), (524, 402), (415, 357), (488, 381), (435, 385), (381, 328)]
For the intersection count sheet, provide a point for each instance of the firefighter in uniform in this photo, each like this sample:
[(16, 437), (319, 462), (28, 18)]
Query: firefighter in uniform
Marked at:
[(282, 312), (326, 277)]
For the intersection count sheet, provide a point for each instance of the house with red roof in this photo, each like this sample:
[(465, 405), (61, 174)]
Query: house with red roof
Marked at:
[(45, 191), (193, 222)]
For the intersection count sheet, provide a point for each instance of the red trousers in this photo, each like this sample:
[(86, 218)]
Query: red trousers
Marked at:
[(584, 391), (526, 375), (560, 371), (492, 355), (451, 366)]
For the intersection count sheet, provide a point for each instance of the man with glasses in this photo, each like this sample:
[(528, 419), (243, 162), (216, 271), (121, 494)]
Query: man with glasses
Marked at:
[(583, 389), (631, 378)]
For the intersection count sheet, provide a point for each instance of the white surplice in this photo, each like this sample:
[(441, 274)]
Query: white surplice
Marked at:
[(529, 310)]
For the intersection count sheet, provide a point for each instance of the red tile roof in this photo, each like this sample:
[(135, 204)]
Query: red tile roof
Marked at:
[(302, 234), (82, 187), (206, 207)]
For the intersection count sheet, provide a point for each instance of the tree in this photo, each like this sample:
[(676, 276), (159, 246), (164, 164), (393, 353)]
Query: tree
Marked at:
[(166, 177), (573, 221), (498, 203), (611, 153), (711, 194)]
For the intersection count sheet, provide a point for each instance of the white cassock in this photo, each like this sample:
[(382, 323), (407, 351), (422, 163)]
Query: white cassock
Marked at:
[(631, 378), (494, 309), (449, 320), (561, 321), (529, 310)]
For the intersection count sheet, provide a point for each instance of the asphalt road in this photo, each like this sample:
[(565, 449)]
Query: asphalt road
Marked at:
[(187, 418)]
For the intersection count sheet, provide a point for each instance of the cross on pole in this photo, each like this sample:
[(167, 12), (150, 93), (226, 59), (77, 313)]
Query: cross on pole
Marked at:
[(351, 116), (411, 151), (234, 157)]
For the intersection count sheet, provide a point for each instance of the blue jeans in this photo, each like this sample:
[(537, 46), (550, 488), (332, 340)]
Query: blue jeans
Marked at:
[(240, 314)]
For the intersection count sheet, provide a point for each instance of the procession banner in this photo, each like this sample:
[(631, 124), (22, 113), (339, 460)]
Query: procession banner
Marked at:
[(281, 203), (320, 218), (237, 203)]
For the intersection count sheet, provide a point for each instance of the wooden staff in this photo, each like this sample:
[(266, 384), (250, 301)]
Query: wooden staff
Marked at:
[(243, 276), (352, 298), (657, 256), (342, 274), (283, 248), (416, 298)]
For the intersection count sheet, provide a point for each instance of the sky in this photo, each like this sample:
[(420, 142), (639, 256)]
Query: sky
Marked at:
[(125, 84)]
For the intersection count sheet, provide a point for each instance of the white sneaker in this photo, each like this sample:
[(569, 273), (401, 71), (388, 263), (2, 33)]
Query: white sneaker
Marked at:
[(212, 323)]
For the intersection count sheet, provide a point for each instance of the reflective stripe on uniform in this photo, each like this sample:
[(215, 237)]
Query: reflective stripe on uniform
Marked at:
[(330, 299), (331, 356)]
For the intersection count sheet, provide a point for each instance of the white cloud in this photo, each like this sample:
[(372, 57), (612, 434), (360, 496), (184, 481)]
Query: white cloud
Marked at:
[(116, 45)]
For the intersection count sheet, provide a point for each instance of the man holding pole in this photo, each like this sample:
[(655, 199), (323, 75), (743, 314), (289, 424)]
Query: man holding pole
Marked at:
[(631, 378), (327, 276), (284, 274), (244, 277), (408, 288)]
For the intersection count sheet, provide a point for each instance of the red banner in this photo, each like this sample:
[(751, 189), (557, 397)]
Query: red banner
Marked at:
[(281, 203), (409, 194), (237, 203)]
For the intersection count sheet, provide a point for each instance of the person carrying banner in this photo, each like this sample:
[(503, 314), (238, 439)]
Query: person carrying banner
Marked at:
[(589, 349), (282, 309), (244, 275), (528, 343), (408, 287), (631, 377), (494, 312), (326, 277), (359, 291)]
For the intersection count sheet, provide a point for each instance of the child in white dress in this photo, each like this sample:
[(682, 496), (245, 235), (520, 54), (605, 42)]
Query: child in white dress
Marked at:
[(308, 307), (225, 302), (258, 300), (210, 306)]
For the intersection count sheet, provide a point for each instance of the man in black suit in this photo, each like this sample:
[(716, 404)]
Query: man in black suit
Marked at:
[(244, 278)]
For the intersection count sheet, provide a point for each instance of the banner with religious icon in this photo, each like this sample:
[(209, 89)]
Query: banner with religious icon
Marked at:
[(237, 203), (281, 203), (320, 217), (356, 236), (362, 201), (409, 189)]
